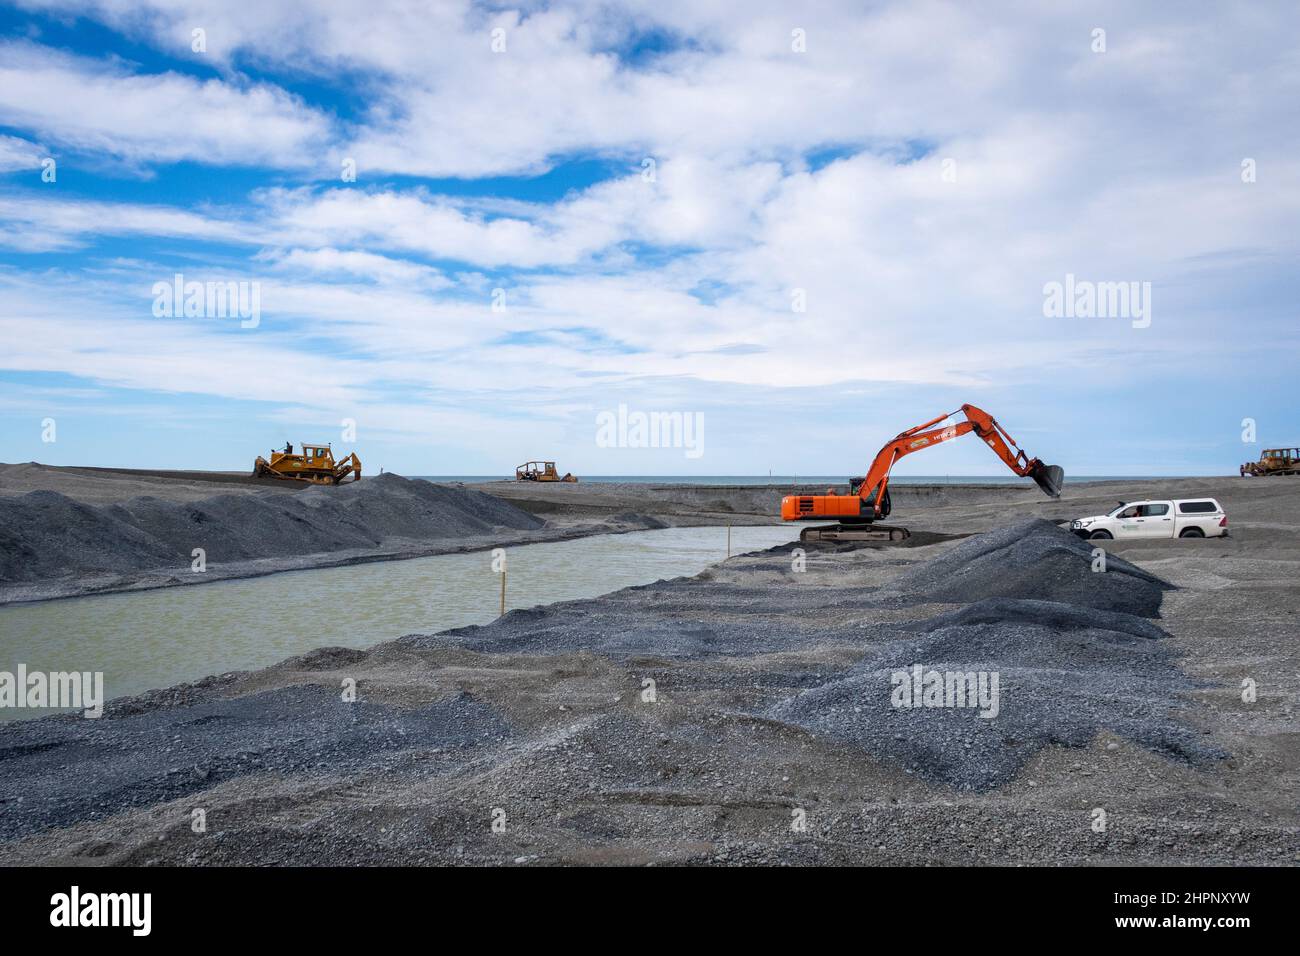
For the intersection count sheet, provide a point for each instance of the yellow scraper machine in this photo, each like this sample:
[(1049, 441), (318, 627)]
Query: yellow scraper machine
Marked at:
[(541, 471), (1273, 461), (315, 464), (868, 499)]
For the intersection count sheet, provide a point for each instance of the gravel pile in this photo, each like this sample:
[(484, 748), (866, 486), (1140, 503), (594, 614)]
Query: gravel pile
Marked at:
[(1071, 649), (45, 535), (1033, 559), (163, 754), (1063, 675)]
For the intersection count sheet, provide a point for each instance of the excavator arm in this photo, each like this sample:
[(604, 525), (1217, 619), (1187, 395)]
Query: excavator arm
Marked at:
[(869, 499)]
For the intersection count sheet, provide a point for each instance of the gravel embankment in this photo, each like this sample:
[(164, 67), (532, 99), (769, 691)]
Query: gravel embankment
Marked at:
[(53, 545), (45, 534)]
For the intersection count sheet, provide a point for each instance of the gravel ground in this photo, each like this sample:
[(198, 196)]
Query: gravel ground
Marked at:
[(160, 755), (764, 737)]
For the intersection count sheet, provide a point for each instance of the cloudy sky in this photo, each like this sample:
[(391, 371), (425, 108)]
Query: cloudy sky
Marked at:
[(813, 228)]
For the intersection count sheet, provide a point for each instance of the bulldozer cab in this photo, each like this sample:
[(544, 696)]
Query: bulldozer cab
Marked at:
[(319, 455)]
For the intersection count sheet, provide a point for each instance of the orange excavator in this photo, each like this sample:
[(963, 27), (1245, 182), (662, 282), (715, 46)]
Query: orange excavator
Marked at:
[(868, 498)]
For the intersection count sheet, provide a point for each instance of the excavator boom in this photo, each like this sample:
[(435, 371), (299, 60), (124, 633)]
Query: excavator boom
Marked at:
[(869, 499)]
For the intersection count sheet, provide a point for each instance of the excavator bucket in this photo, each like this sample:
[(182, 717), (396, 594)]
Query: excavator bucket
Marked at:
[(1050, 478)]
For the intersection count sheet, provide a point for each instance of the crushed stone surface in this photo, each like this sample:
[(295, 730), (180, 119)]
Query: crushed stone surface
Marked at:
[(159, 755)]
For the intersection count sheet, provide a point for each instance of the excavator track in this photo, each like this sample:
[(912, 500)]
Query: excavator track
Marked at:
[(836, 533)]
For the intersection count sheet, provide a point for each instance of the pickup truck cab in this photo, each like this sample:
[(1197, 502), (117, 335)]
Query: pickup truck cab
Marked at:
[(1163, 518)]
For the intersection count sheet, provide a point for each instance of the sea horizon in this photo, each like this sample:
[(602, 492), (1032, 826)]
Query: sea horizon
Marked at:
[(799, 479)]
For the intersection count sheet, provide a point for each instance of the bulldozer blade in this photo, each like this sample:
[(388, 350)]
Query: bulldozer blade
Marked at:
[(1050, 478)]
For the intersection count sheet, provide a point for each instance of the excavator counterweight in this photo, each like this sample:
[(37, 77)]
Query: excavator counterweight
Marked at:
[(868, 499)]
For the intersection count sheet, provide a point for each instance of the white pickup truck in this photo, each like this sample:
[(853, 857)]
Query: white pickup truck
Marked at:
[(1188, 518)]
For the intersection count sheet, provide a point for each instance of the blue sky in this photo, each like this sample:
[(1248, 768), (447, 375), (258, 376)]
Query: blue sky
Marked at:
[(654, 189)]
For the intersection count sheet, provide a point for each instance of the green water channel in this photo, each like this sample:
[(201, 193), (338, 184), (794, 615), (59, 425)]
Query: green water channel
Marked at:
[(151, 639)]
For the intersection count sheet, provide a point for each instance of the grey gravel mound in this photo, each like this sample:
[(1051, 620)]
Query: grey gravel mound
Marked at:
[(163, 754), (45, 535), (682, 618), (1052, 614), (1063, 674), (1033, 559)]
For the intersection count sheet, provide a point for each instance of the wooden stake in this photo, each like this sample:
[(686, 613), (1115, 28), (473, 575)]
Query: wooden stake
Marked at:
[(503, 592), (728, 539)]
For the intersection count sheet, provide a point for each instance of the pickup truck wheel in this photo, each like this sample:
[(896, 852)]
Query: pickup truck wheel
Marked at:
[(1100, 535), (1191, 533)]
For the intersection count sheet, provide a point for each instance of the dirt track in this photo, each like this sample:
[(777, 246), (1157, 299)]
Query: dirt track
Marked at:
[(540, 722)]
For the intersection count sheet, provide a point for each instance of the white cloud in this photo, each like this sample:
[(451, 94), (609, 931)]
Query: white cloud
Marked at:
[(330, 262), (17, 154), (150, 118), (40, 224)]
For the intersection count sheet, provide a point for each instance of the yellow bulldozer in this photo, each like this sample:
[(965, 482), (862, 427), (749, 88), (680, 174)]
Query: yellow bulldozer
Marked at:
[(540, 471), (315, 464), (1273, 461)]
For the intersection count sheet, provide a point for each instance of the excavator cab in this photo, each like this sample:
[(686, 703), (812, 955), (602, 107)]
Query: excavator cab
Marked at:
[(869, 503)]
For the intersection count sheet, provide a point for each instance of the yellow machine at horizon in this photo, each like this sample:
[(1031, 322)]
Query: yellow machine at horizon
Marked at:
[(315, 464), (1273, 461), (541, 471)]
